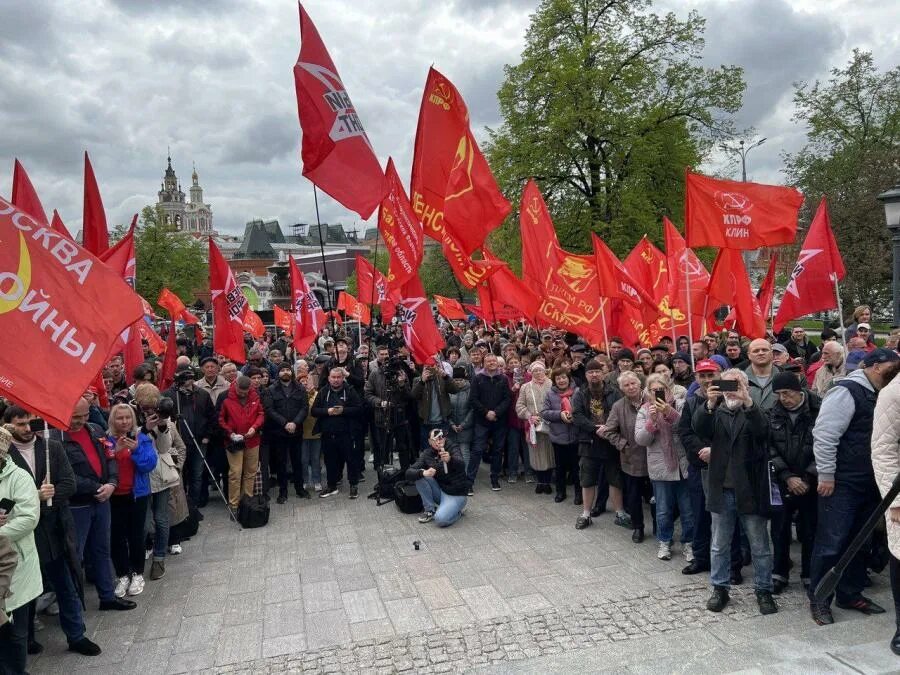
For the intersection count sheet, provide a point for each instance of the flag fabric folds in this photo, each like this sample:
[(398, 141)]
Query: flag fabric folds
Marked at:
[(420, 332), (337, 155), (687, 274), (59, 226), (353, 308), (811, 286), (62, 311), (229, 307), (372, 288), (253, 324), (309, 318), (730, 285), (732, 214), (121, 258), (283, 320), (449, 308), (94, 232), (401, 231), (24, 196), (167, 374)]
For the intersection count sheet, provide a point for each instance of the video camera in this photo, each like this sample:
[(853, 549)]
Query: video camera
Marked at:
[(165, 410)]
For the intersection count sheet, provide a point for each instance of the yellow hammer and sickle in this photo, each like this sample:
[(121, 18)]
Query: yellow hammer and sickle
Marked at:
[(12, 298), (465, 156)]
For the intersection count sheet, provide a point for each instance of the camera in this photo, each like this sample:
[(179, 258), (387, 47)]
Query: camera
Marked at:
[(184, 376)]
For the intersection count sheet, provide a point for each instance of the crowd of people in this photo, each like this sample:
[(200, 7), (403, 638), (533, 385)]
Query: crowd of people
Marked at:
[(727, 449)]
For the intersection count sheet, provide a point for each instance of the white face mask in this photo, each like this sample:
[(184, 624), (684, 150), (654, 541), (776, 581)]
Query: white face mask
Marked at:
[(733, 403)]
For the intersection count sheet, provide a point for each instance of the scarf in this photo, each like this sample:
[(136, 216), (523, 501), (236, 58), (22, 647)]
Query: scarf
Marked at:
[(565, 400)]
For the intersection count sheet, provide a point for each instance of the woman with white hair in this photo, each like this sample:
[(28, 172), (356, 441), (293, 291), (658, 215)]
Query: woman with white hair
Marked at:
[(537, 432), (667, 464)]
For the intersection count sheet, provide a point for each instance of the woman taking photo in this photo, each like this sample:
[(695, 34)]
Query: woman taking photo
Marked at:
[(667, 464), (136, 458), (528, 408), (563, 434)]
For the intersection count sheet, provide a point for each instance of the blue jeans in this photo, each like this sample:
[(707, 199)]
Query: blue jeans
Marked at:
[(496, 433), (71, 619), (311, 460), (92, 523), (668, 493), (159, 511), (449, 507), (757, 529), (840, 517), (515, 440)]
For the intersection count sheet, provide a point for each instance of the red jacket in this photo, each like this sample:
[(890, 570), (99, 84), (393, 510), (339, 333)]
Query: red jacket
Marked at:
[(237, 419)]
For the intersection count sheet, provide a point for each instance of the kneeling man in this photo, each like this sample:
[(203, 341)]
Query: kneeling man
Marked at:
[(440, 477)]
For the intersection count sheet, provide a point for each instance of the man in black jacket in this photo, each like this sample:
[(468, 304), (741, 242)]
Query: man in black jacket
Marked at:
[(356, 378), (387, 393), (96, 477), (286, 406), (440, 477), (197, 427), (738, 485), (55, 528), (490, 399), (791, 422), (338, 408)]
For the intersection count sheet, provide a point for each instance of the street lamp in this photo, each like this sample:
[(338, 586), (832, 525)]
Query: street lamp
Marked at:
[(891, 201), (743, 151)]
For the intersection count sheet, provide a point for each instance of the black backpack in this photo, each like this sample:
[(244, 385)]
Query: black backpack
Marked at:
[(407, 497), (387, 479), (253, 511)]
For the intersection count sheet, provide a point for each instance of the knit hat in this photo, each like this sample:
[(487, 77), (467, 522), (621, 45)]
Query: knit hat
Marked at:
[(786, 381), (682, 356), (285, 366), (5, 442), (625, 353)]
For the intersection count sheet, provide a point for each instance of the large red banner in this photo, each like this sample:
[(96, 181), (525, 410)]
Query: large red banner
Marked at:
[(401, 231), (229, 308)]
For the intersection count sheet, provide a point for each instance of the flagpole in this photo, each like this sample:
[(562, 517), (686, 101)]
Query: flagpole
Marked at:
[(603, 317), (837, 296), (322, 251), (687, 281), (47, 480), (375, 266)]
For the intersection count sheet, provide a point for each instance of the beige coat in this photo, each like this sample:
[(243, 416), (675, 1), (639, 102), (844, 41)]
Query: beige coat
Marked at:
[(886, 452), (530, 402)]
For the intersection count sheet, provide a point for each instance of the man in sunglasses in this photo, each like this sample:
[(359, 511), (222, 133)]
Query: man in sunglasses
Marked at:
[(440, 477)]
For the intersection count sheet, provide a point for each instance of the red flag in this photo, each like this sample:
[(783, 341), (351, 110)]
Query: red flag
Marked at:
[(284, 320), (337, 154), (400, 229), (494, 308), (62, 313), (505, 286), (811, 286), (615, 282), (309, 318), (167, 374), (767, 289), (566, 283), (229, 307), (58, 226), (730, 285), (94, 233), (24, 196), (373, 289), (353, 308), (171, 303), (420, 332), (102, 394), (154, 342), (449, 308), (122, 259), (730, 214), (452, 186), (686, 271), (253, 324)]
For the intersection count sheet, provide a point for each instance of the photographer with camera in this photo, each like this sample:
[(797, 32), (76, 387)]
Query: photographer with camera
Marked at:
[(129, 443), (388, 392), (441, 480), (195, 418)]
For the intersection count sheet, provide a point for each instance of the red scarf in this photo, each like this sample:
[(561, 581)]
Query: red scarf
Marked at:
[(565, 400)]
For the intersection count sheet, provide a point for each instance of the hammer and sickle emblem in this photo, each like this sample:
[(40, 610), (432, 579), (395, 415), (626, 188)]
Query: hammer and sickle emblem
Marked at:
[(12, 296)]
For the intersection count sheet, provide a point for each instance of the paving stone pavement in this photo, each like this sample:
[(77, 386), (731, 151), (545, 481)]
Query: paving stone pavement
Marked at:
[(336, 585)]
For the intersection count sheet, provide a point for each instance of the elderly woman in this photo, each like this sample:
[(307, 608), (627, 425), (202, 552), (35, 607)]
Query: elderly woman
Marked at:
[(620, 432), (528, 408), (558, 411), (667, 464)]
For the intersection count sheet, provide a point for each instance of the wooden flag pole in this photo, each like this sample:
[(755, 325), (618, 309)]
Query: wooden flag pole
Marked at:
[(837, 296), (687, 281), (603, 317), (47, 480)]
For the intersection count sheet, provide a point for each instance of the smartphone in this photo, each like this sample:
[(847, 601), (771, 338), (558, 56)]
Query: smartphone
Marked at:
[(36, 425), (726, 385), (132, 435), (660, 395), (6, 505)]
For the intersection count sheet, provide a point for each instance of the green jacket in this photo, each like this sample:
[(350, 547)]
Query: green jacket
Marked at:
[(18, 485)]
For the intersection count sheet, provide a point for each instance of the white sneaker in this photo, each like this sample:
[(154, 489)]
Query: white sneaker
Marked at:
[(687, 550), (137, 585), (665, 551), (147, 553), (175, 549), (122, 586)]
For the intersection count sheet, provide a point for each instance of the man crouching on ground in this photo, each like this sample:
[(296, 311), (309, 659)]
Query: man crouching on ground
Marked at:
[(440, 477)]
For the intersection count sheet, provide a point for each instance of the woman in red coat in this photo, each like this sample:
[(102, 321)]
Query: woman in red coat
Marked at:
[(241, 418)]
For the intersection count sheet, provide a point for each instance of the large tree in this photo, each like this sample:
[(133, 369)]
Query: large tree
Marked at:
[(608, 106), (167, 258), (852, 155)]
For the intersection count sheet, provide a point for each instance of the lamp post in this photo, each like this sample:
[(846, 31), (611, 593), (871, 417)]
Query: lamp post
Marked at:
[(743, 150), (891, 201)]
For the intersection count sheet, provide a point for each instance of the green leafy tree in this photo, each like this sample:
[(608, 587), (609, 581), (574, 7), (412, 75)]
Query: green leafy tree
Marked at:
[(852, 155), (607, 107), (167, 258)]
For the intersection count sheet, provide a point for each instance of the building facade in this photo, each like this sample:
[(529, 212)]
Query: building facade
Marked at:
[(191, 216)]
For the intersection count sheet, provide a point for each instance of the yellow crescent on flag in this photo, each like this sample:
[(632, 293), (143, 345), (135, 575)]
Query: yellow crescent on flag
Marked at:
[(10, 299)]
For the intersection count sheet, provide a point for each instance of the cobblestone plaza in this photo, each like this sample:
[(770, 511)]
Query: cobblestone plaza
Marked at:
[(334, 585)]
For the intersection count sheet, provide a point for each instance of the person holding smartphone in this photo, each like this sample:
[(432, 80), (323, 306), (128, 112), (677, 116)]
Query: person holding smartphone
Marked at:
[(667, 464)]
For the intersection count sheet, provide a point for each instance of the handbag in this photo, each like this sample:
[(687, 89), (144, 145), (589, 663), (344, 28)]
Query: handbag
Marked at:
[(166, 470), (407, 497), (541, 426), (254, 511)]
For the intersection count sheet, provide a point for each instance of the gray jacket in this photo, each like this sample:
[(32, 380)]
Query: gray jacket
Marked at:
[(461, 414), (560, 432), (762, 395)]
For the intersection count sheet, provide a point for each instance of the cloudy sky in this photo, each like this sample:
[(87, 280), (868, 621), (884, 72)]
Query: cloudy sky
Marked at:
[(212, 80)]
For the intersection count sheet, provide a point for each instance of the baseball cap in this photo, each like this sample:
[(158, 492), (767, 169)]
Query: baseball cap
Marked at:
[(778, 347), (854, 358), (880, 355), (863, 325), (707, 366)]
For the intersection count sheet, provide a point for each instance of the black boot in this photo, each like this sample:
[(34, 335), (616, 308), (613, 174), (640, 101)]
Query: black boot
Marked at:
[(282, 496), (895, 641), (637, 535), (718, 599), (560, 496)]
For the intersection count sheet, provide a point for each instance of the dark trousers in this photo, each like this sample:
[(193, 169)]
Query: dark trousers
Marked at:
[(71, 619), (194, 470), (14, 643), (566, 456), (395, 440), (840, 517), (895, 586), (126, 533), (544, 477), (495, 433), (636, 489), (359, 439), (92, 525), (339, 451), (280, 449), (805, 508)]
